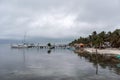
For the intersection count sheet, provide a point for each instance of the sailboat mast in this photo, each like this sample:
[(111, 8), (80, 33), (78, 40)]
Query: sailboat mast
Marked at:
[(24, 38)]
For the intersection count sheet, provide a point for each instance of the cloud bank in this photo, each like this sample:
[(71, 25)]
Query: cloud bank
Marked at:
[(56, 19)]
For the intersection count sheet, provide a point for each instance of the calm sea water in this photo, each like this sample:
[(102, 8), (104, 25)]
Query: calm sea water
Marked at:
[(58, 64)]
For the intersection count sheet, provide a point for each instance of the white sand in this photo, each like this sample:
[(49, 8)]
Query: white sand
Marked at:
[(104, 51)]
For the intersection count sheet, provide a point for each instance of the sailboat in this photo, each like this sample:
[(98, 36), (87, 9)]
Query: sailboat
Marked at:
[(19, 46), (23, 45)]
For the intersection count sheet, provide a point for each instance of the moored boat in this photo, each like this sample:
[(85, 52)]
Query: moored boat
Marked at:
[(19, 46)]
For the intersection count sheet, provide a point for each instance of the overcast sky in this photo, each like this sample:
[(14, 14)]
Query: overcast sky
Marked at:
[(55, 19)]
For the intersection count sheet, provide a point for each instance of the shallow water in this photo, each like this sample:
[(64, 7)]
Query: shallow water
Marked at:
[(58, 64)]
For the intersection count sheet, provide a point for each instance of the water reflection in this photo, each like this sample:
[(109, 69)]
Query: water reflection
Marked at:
[(49, 51), (55, 64), (103, 60)]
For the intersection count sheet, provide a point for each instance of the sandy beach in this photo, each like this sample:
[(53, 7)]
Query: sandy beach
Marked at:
[(104, 51)]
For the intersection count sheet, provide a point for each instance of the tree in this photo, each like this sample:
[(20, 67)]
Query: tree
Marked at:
[(115, 37), (102, 38), (99, 39)]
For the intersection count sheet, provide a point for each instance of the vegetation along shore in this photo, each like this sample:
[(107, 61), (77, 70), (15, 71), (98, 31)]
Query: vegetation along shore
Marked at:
[(104, 42)]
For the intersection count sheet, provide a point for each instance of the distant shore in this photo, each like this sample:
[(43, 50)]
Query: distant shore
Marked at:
[(103, 51)]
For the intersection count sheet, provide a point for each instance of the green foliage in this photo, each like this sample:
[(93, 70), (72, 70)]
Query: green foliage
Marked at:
[(98, 40)]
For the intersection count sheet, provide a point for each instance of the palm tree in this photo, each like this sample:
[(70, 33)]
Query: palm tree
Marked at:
[(99, 39), (115, 38), (102, 37)]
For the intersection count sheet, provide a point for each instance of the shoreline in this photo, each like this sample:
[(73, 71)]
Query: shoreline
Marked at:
[(103, 51)]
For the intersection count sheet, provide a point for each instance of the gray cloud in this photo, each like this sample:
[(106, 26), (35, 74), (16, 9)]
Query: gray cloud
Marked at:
[(57, 18)]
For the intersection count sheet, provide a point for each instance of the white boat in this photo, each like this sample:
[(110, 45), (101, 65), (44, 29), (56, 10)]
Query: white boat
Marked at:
[(19, 46), (23, 45)]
